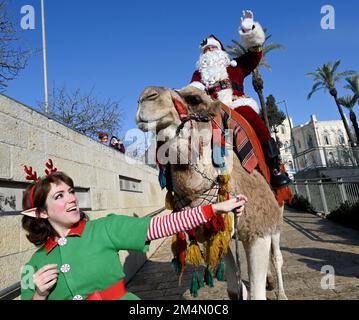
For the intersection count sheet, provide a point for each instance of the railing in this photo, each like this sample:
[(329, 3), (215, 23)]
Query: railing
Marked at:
[(327, 195), (327, 157)]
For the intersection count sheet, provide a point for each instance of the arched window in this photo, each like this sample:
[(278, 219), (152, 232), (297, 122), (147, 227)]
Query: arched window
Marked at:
[(310, 141), (341, 139), (282, 130), (290, 165), (326, 138)]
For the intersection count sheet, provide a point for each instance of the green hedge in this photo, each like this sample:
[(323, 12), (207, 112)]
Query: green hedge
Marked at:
[(301, 203), (346, 215)]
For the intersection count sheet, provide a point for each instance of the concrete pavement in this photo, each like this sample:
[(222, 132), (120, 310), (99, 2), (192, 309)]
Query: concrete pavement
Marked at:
[(310, 246)]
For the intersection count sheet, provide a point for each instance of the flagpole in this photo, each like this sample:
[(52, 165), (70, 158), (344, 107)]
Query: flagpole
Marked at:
[(44, 57)]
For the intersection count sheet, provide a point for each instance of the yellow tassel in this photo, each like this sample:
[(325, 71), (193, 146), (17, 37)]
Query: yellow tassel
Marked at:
[(228, 223), (169, 200), (194, 256), (174, 247), (214, 250)]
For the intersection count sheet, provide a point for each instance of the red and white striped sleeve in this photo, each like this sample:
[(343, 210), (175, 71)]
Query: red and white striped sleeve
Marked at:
[(171, 224)]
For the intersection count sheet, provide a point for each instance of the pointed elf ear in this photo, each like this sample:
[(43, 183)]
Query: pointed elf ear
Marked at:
[(32, 213)]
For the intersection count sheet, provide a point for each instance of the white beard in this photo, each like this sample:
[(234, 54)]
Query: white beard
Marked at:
[(213, 66)]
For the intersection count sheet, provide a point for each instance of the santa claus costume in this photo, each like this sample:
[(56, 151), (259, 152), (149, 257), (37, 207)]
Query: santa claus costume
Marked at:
[(223, 80)]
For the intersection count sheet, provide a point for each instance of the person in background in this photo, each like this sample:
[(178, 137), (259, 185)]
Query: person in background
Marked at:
[(103, 137), (117, 144)]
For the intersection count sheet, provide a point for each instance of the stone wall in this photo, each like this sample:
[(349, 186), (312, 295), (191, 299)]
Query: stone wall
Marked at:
[(102, 174)]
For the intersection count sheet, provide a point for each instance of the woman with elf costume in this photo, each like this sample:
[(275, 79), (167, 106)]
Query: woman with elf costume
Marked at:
[(223, 80), (77, 258)]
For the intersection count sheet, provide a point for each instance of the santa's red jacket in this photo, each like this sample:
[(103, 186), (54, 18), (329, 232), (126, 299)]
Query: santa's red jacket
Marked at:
[(245, 66)]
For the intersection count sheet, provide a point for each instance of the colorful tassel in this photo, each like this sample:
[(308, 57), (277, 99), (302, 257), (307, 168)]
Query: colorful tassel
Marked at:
[(208, 277), (194, 255), (196, 283), (162, 179), (220, 271), (176, 265)]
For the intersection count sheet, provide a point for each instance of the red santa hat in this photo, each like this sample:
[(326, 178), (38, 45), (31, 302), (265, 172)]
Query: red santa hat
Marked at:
[(213, 41)]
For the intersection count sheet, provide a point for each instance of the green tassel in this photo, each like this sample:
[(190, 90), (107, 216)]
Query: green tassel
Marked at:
[(220, 271), (194, 285), (200, 280), (176, 265), (208, 277)]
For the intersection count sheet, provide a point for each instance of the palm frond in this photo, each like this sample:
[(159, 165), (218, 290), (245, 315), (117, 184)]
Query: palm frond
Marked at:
[(353, 85), (317, 86), (266, 65), (348, 101), (336, 65)]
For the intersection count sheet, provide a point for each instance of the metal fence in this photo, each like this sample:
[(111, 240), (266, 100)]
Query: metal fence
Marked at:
[(327, 157), (326, 195)]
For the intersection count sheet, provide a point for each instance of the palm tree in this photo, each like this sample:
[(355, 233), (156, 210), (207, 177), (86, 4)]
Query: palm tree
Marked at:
[(236, 50), (353, 85), (326, 78), (349, 103)]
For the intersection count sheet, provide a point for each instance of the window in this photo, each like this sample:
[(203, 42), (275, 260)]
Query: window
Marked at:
[(310, 141), (326, 138), (290, 165), (282, 129), (341, 139), (299, 144), (130, 184)]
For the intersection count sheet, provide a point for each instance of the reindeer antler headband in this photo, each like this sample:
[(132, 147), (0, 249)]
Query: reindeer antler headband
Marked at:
[(32, 176)]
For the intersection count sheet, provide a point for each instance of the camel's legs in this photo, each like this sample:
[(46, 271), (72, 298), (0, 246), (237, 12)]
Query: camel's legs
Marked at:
[(270, 278), (258, 260), (231, 277), (277, 259)]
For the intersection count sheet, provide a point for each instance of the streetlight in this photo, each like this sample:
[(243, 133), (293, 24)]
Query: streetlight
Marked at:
[(291, 133), (44, 56)]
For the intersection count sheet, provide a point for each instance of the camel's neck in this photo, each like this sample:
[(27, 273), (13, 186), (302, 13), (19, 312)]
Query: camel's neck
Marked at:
[(193, 174)]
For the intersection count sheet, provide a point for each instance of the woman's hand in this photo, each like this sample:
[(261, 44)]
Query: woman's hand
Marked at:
[(44, 280), (235, 204)]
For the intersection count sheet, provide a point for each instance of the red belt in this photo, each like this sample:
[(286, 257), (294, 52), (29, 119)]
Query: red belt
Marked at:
[(116, 292)]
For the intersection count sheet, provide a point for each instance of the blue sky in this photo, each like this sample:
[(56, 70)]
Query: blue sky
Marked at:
[(120, 47)]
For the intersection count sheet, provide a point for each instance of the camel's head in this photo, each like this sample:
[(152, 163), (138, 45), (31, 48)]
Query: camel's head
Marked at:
[(164, 109)]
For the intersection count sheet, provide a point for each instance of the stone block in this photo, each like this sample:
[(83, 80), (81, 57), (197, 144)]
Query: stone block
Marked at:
[(14, 131), (10, 268), (5, 164), (39, 121), (9, 235), (37, 140), (58, 129), (15, 109), (20, 157)]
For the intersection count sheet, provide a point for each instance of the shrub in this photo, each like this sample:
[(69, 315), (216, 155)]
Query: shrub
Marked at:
[(346, 215), (301, 203)]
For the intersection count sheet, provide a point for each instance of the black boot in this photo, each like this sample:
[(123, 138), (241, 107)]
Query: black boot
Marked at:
[(278, 178)]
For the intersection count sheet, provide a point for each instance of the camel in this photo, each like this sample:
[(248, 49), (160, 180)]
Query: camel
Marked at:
[(259, 226)]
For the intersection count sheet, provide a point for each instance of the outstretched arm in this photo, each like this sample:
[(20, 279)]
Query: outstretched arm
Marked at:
[(252, 37), (168, 225)]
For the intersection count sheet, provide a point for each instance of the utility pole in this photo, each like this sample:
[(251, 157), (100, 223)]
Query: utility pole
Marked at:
[(44, 57), (291, 134)]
